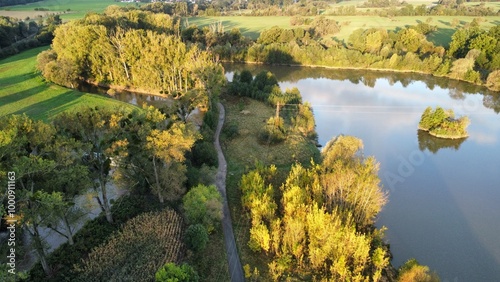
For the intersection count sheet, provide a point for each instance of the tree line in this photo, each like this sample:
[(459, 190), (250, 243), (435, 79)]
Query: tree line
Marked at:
[(473, 54), (17, 36), (384, 8)]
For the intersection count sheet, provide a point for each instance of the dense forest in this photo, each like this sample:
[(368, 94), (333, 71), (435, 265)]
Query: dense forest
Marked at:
[(132, 49)]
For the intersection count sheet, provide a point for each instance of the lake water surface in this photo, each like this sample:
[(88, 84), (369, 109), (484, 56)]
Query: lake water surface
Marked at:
[(444, 196)]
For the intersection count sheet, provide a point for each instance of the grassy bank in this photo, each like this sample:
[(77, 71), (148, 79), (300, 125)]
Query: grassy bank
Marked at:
[(23, 90), (243, 152)]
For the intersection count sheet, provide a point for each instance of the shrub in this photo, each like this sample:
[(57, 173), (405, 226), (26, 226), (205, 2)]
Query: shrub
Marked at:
[(203, 205), (412, 271), (231, 130), (273, 132), (204, 153), (297, 20), (323, 26), (170, 272), (211, 117), (196, 237)]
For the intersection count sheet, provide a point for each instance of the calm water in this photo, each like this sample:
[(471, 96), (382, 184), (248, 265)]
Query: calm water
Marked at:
[(444, 196)]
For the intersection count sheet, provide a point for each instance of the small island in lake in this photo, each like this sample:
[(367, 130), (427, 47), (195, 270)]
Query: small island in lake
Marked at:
[(443, 124)]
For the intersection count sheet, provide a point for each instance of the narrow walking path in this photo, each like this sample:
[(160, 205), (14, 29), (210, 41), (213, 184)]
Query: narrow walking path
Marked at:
[(235, 269)]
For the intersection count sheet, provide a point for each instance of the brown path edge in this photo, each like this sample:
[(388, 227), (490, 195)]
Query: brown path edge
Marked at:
[(235, 269)]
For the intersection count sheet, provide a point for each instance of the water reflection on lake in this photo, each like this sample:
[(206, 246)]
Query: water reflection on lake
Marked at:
[(127, 96), (444, 195)]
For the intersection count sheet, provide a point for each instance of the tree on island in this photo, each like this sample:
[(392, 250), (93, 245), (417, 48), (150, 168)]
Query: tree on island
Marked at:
[(443, 124)]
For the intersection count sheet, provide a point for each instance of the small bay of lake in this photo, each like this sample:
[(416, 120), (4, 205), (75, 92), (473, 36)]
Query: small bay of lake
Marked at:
[(444, 195)]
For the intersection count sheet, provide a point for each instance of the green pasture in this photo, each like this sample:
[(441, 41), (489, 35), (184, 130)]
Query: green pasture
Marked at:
[(68, 9), (252, 26), (248, 25), (22, 90), (441, 37)]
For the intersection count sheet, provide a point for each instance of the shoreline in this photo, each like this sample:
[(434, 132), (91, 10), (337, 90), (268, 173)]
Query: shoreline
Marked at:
[(452, 137), (125, 88), (361, 69)]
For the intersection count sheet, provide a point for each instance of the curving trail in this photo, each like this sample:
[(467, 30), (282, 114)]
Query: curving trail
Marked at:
[(235, 269)]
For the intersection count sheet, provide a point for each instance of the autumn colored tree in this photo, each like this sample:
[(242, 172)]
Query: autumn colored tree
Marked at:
[(136, 49), (324, 220), (50, 174), (99, 128)]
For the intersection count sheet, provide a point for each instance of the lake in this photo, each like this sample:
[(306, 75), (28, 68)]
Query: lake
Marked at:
[(444, 195)]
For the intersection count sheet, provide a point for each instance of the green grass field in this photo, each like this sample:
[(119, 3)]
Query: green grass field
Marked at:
[(23, 90), (248, 25), (77, 8), (252, 26)]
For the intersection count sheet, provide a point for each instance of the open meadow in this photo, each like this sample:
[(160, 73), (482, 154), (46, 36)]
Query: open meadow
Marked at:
[(68, 9), (23, 90)]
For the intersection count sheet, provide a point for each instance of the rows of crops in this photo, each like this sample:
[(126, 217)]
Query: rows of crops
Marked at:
[(145, 243)]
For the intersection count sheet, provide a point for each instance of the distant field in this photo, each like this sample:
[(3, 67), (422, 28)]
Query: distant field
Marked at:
[(77, 8), (252, 26), (22, 90), (248, 25)]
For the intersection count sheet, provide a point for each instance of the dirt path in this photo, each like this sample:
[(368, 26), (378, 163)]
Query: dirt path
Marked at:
[(235, 269)]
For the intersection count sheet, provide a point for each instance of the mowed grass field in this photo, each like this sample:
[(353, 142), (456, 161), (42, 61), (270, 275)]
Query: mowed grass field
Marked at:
[(252, 26), (68, 9), (23, 90)]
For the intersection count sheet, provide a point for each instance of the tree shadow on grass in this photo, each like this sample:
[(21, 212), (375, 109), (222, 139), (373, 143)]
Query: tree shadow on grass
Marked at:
[(48, 108), (445, 22), (276, 56), (10, 80), (17, 96), (249, 33), (441, 37)]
